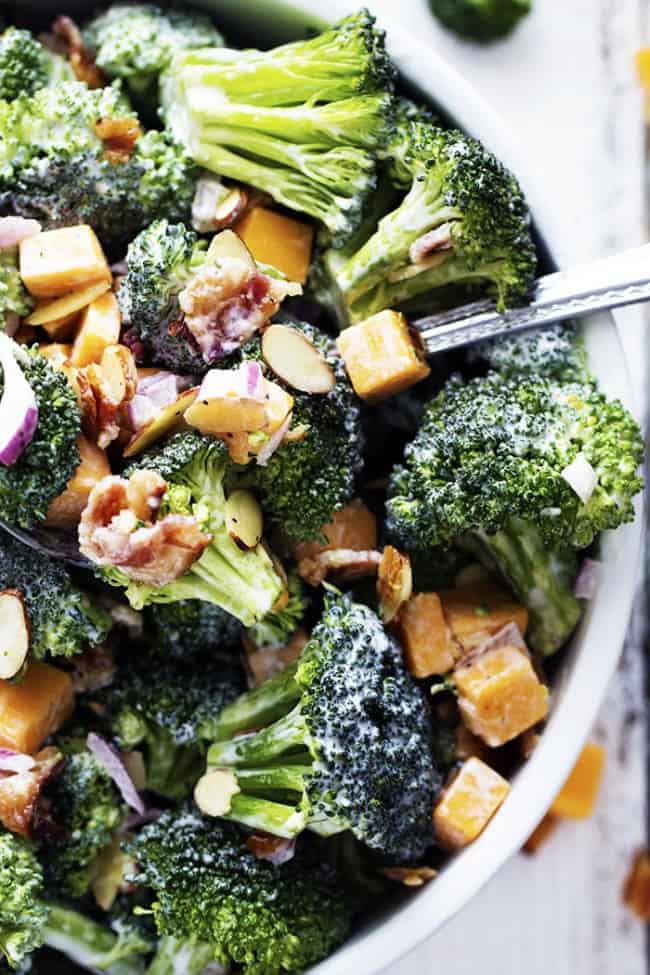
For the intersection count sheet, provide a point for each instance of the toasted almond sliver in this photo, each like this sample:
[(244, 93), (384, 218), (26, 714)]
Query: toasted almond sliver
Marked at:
[(410, 876), (72, 302), (14, 633), (244, 519), (394, 582), (296, 360)]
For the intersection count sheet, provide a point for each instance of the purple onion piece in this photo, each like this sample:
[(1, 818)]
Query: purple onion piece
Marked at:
[(11, 761), (135, 820), (508, 636), (254, 379), (587, 579), (274, 442), (140, 411), (110, 758), (18, 407)]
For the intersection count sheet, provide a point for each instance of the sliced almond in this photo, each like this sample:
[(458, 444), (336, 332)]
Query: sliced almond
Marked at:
[(214, 792), (69, 304), (14, 633), (410, 876), (228, 245), (120, 372), (230, 208), (166, 420), (296, 360), (244, 519), (279, 405), (394, 582)]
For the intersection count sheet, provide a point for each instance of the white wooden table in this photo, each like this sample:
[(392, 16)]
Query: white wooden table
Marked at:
[(566, 86)]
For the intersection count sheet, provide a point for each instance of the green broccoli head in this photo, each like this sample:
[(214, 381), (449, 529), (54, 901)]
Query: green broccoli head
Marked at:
[(191, 628), (45, 466), (26, 65), (86, 809), (277, 628), (305, 481), (463, 221), (208, 885), (53, 165), (160, 262), (557, 352), (15, 300), (119, 949), (63, 620), (242, 582), (354, 733), (167, 710), (303, 122), (137, 41), (481, 20), (22, 914)]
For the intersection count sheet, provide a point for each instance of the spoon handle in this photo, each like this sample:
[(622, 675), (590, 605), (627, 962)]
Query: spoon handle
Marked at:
[(611, 282)]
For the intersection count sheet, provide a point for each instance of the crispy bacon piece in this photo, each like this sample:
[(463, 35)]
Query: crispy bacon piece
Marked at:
[(275, 849), (119, 136), (20, 792), (81, 61), (157, 552)]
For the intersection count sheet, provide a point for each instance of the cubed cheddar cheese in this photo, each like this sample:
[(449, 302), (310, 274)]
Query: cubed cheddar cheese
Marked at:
[(280, 241), (56, 261), (99, 328), (426, 640), (475, 612), (353, 527), (577, 797), (35, 707), (65, 511), (500, 695), (468, 804), (381, 356)]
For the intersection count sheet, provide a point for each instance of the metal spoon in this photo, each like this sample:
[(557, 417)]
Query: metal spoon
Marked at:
[(611, 282)]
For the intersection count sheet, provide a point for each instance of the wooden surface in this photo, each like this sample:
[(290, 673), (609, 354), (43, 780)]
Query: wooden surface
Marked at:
[(565, 84)]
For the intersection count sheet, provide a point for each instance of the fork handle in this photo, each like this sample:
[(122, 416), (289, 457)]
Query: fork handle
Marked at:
[(611, 282)]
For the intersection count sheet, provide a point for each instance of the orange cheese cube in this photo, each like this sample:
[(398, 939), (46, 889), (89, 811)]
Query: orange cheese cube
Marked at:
[(468, 804), (35, 707), (56, 261), (353, 527), (100, 327), (427, 643), (500, 695), (476, 611), (381, 356), (577, 797), (275, 239), (65, 511)]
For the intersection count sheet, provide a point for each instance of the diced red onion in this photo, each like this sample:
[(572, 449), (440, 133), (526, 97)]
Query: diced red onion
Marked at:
[(120, 268), (434, 240), (110, 758), (587, 579), (581, 477), (162, 392), (140, 411), (233, 382), (508, 636), (18, 407), (274, 441), (134, 820), (13, 230), (12, 761), (254, 379)]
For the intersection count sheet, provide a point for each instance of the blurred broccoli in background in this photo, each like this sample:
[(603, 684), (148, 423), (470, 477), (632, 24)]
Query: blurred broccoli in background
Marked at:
[(137, 41), (463, 221), (557, 353), (210, 886), (15, 300), (56, 168), (26, 65), (303, 122), (28, 487), (191, 627), (481, 20), (63, 620)]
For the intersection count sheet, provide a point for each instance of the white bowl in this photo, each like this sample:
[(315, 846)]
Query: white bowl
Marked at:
[(589, 663)]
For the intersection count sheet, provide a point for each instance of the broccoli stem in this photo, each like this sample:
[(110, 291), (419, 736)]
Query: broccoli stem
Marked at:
[(170, 766), (286, 735), (273, 699), (541, 578), (175, 956), (277, 818), (87, 943)]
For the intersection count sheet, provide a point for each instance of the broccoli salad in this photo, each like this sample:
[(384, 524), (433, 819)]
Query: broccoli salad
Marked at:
[(322, 582)]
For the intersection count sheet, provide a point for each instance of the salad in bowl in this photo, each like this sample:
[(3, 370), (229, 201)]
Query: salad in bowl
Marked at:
[(319, 584)]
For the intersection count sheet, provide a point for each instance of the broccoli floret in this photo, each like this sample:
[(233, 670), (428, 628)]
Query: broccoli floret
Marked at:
[(277, 628), (45, 466), (481, 20), (63, 620), (15, 300), (191, 628), (168, 710), (53, 165), (353, 732), (186, 955), (305, 481), (26, 66), (244, 583), (95, 947), (86, 809), (137, 41), (303, 122), (160, 262), (22, 914), (558, 353), (474, 213), (494, 449), (210, 886)]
